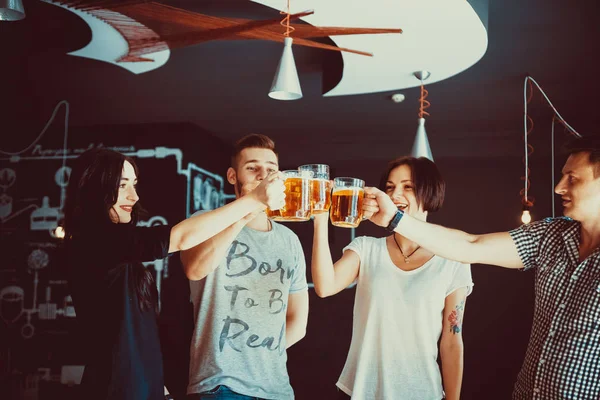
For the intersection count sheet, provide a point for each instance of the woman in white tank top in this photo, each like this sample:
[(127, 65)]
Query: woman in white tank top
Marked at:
[(406, 299)]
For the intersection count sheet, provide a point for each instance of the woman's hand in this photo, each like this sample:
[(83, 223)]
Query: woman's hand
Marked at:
[(378, 207)]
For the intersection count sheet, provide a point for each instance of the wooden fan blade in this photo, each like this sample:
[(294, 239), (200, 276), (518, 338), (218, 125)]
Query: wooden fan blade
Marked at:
[(87, 5), (307, 31), (273, 35), (190, 38)]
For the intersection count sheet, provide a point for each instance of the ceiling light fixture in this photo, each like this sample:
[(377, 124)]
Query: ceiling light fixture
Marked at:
[(527, 201), (286, 84), (11, 10), (421, 146)]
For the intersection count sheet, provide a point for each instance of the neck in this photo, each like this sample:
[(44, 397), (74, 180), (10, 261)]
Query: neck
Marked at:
[(407, 245), (260, 223), (590, 234)]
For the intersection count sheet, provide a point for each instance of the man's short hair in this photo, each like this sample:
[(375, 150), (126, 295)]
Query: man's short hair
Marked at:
[(254, 140), (589, 144), (429, 185)]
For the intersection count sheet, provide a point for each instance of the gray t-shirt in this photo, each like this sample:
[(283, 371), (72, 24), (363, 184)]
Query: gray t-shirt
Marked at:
[(240, 315)]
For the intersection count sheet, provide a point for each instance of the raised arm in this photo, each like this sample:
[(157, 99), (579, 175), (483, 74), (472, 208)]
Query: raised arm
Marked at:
[(494, 248), (197, 229), (204, 258), (330, 278), (451, 343)]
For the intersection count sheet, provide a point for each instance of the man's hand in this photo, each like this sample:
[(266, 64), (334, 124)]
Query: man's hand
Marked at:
[(378, 207), (270, 191)]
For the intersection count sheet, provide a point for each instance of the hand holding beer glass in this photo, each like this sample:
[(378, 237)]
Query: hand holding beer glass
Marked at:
[(347, 202), (297, 198), (270, 191)]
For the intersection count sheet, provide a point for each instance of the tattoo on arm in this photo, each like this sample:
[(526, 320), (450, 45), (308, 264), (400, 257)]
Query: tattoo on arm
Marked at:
[(456, 316)]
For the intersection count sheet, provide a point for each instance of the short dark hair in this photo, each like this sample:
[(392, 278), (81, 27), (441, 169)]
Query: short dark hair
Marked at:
[(588, 144), (254, 140), (430, 187)]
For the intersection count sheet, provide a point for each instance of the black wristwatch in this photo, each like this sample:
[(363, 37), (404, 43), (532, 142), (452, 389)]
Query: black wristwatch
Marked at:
[(395, 221)]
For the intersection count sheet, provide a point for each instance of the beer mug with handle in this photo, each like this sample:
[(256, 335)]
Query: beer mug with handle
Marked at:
[(297, 198), (320, 187), (346, 202)]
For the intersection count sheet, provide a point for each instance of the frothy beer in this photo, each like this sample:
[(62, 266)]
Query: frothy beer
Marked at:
[(320, 199), (346, 206), (320, 187), (297, 200)]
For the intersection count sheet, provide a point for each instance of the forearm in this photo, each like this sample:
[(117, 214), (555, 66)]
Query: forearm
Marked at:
[(452, 369), (197, 229), (448, 243), (492, 248), (323, 273), (205, 258)]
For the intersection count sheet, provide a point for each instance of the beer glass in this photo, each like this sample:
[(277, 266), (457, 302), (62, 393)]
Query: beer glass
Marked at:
[(320, 188), (346, 202), (297, 198)]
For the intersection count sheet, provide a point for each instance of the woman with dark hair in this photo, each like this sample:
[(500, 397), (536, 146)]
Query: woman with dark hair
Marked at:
[(115, 297), (406, 299)]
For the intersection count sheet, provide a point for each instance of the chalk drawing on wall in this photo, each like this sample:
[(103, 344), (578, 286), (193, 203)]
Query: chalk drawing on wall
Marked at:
[(7, 179), (11, 304), (12, 298)]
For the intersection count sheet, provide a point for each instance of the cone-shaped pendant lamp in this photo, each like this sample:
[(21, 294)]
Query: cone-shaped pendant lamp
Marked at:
[(286, 85), (421, 146), (11, 10)]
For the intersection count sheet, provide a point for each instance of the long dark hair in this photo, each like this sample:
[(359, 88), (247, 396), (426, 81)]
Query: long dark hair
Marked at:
[(93, 190)]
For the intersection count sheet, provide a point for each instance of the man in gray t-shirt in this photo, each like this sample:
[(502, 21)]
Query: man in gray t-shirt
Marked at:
[(249, 292)]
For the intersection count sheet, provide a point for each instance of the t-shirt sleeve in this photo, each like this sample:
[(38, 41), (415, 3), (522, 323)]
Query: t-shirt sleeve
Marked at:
[(139, 244), (357, 246), (299, 283), (527, 239), (461, 278)]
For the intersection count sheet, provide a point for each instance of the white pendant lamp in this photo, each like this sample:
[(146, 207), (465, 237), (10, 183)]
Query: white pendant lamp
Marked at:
[(421, 146), (11, 10), (286, 85)]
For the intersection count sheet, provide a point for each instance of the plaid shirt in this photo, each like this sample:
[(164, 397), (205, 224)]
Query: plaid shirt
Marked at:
[(563, 356)]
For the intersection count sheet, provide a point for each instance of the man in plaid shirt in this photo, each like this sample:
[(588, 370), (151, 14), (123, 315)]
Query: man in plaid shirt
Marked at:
[(563, 356)]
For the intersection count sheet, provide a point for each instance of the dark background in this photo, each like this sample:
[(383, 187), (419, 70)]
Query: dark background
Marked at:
[(208, 95)]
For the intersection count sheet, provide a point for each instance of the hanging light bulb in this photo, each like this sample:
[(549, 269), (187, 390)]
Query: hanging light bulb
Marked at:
[(59, 232), (11, 10), (286, 85), (526, 216)]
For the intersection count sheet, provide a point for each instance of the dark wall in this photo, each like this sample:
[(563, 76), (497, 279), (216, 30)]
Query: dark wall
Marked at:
[(482, 196)]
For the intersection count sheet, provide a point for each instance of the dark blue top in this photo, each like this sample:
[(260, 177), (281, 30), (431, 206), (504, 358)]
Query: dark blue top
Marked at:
[(124, 360)]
